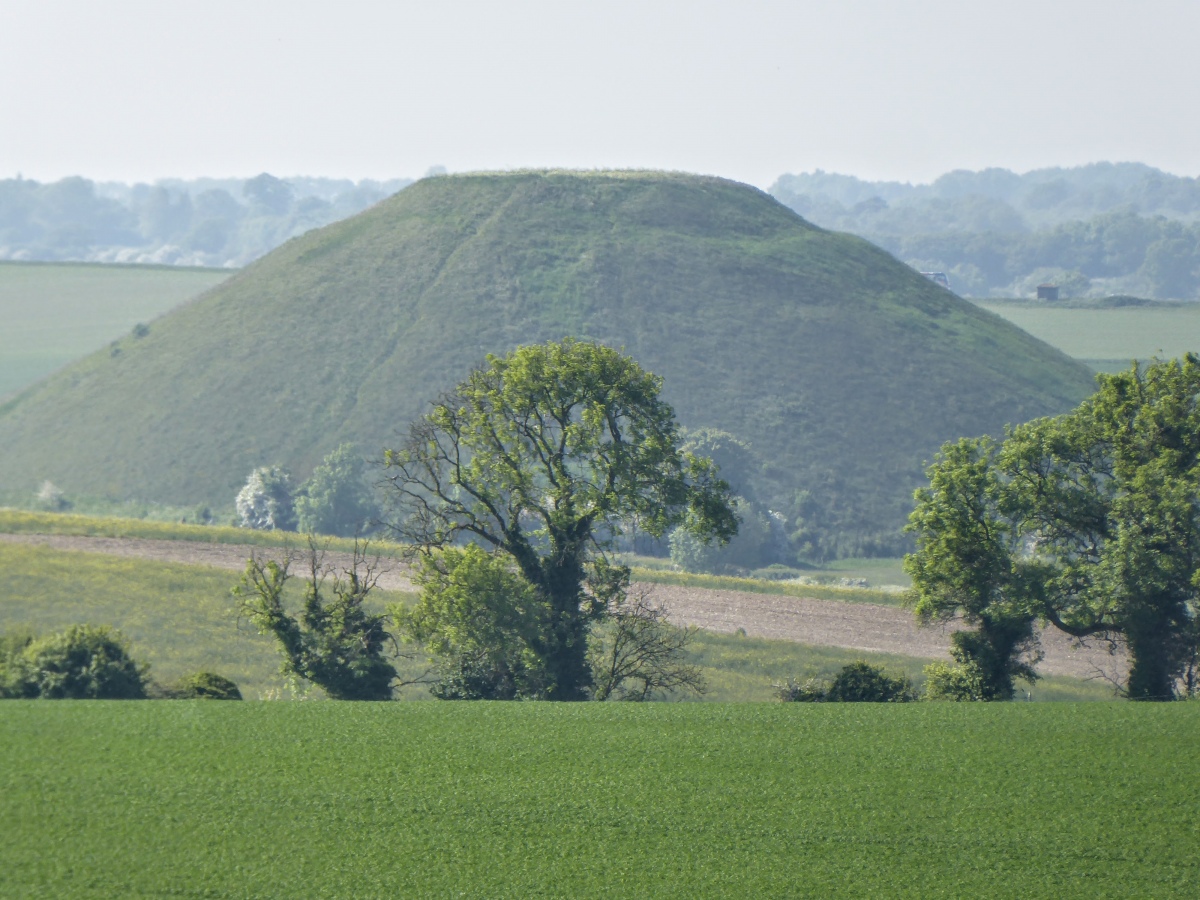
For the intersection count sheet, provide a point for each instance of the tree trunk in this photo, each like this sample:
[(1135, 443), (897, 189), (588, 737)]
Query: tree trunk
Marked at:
[(566, 660), (1152, 671)]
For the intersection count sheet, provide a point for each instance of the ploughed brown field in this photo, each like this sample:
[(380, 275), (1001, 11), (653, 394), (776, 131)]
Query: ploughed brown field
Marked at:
[(857, 626)]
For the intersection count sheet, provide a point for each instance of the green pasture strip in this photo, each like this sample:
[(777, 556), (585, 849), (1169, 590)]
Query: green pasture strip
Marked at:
[(17, 521), (876, 570), (204, 799), (884, 570), (1108, 339), (54, 313), (764, 586), (180, 619)]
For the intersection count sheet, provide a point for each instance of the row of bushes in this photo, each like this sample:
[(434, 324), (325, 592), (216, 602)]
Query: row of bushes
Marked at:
[(88, 662), (861, 682)]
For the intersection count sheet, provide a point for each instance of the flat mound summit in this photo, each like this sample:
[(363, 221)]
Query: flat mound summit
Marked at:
[(842, 368)]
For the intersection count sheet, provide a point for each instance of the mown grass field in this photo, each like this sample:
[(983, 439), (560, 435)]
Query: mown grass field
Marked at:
[(139, 799), (1108, 339), (180, 619), (54, 313)]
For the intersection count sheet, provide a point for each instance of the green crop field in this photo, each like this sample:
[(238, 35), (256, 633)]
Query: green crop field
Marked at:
[(54, 313), (203, 799), (1107, 339)]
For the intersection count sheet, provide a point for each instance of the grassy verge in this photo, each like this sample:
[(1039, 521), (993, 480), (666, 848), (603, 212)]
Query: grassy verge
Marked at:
[(522, 800), (744, 669)]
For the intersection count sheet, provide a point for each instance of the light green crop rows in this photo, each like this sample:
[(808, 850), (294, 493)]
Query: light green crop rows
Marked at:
[(140, 799), (55, 313), (1108, 339)]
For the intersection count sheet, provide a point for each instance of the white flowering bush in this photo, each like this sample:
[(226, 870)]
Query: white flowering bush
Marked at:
[(265, 503)]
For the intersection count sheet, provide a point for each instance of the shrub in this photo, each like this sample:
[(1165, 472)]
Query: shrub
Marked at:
[(956, 683), (480, 622), (51, 498), (12, 648), (337, 499), (205, 686), (859, 682), (265, 503), (811, 691), (334, 642), (85, 662)]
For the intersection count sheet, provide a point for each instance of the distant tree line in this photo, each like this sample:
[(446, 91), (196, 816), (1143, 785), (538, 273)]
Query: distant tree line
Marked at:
[(1098, 230), (201, 222)]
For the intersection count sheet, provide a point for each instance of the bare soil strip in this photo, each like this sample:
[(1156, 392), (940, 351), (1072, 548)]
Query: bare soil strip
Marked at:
[(856, 626)]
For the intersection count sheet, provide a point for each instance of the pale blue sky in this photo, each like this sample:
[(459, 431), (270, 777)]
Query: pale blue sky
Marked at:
[(747, 90)]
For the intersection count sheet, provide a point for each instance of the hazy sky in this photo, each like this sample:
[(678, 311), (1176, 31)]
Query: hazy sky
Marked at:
[(898, 90)]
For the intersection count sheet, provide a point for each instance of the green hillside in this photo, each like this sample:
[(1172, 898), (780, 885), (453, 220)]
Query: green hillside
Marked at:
[(843, 368), (54, 313)]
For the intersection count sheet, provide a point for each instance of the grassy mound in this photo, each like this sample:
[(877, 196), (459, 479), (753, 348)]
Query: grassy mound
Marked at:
[(124, 799), (843, 368)]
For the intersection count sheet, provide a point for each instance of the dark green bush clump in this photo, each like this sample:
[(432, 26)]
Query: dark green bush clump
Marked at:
[(859, 682), (205, 686), (85, 662)]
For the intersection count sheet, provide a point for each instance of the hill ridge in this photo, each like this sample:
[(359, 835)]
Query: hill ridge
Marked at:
[(842, 367)]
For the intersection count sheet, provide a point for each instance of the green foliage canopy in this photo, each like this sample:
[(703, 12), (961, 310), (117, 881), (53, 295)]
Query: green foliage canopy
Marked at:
[(334, 642), (336, 499), (539, 456), (858, 682), (265, 502), (84, 662), (1090, 521)]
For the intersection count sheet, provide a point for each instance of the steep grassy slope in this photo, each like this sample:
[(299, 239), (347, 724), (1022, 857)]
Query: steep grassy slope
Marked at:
[(842, 367), (54, 313)]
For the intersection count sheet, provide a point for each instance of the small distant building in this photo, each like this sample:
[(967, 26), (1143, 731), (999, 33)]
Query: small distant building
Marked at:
[(938, 278), (1047, 292)]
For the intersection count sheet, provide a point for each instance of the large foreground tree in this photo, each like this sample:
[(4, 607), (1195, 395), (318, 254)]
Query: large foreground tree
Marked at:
[(1089, 521), (538, 458)]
